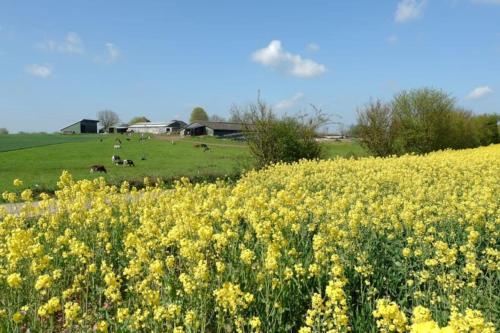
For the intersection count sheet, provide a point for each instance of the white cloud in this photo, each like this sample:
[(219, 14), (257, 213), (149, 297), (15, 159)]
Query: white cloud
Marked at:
[(42, 71), (290, 102), (409, 10), (113, 52), (392, 39), (71, 44), (312, 47), (275, 57), (479, 92)]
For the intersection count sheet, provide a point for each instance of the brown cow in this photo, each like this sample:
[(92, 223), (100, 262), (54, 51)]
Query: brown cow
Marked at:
[(98, 168)]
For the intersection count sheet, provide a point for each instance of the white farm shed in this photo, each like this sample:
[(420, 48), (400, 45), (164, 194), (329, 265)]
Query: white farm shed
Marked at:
[(157, 128)]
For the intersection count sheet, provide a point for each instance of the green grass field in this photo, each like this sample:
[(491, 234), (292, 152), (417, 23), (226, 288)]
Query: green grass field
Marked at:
[(21, 141), (39, 166)]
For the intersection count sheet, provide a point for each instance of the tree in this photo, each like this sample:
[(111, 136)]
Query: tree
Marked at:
[(487, 127), (422, 117), (375, 128), (272, 139), (198, 114), (107, 118), (4, 131), (421, 121), (139, 119), (215, 117)]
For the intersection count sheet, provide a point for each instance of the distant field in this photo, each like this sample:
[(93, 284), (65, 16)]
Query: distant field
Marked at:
[(21, 141), (40, 165)]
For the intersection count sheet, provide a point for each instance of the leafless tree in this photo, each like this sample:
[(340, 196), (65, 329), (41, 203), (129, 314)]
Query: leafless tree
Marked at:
[(216, 118), (272, 139), (107, 118)]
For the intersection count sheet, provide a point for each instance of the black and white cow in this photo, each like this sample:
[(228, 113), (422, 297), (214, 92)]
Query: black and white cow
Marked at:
[(128, 163)]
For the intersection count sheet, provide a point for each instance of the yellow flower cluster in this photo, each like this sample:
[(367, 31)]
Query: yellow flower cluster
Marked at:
[(407, 244)]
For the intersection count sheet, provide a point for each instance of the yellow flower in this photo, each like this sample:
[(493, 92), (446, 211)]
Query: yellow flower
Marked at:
[(43, 282), (71, 310), (255, 322), (52, 306), (102, 326), (17, 317), (14, 280), (247, 256), (17, 182), (27, 195)]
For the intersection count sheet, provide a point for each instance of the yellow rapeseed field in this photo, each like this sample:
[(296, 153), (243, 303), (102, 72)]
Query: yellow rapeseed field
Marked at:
[(406, 244)]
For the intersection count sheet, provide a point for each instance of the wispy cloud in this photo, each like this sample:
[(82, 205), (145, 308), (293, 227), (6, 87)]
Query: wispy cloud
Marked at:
[(113, 52), (312, 47), (42, 71), (111, 55), (275, 57), (289, 103), (479, 92), (392, 39), (71, 44), (409, 10)]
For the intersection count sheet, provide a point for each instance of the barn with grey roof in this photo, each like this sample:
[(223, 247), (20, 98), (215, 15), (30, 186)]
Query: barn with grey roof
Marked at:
[(212, 128), (82, 126)]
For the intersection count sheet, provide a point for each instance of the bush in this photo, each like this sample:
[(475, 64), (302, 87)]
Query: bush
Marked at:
[(4, 131), (375, 129), (421, 121), (272, 139)]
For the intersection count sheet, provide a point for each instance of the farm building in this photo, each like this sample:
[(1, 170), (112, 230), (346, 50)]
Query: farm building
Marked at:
[(82, 126), (170, 127), (121, 128), (212, 128)]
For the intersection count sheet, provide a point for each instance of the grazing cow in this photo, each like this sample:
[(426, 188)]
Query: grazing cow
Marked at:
[(98, 168), (117, 146), (128, 163), (206, 148), (115, 158), (119, 162)]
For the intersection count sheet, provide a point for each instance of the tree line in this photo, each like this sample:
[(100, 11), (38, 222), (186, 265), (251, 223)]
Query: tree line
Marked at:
[(420, 121)]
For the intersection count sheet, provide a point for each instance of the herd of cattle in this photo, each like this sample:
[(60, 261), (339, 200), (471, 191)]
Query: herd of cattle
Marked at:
[(117, 160)]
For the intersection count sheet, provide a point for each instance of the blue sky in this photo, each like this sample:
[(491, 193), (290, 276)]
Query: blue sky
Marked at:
[(61, 61)]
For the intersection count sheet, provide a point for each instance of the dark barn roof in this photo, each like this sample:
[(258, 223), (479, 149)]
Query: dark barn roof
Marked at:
[(217, 125), (81, 121)]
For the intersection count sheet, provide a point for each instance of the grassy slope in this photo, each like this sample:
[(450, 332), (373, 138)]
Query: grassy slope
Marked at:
[(346, 149), (21, 141), (42, 165)]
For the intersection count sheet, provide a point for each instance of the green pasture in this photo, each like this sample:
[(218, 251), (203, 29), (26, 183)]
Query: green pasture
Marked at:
[(39, 166), (21, 141)]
